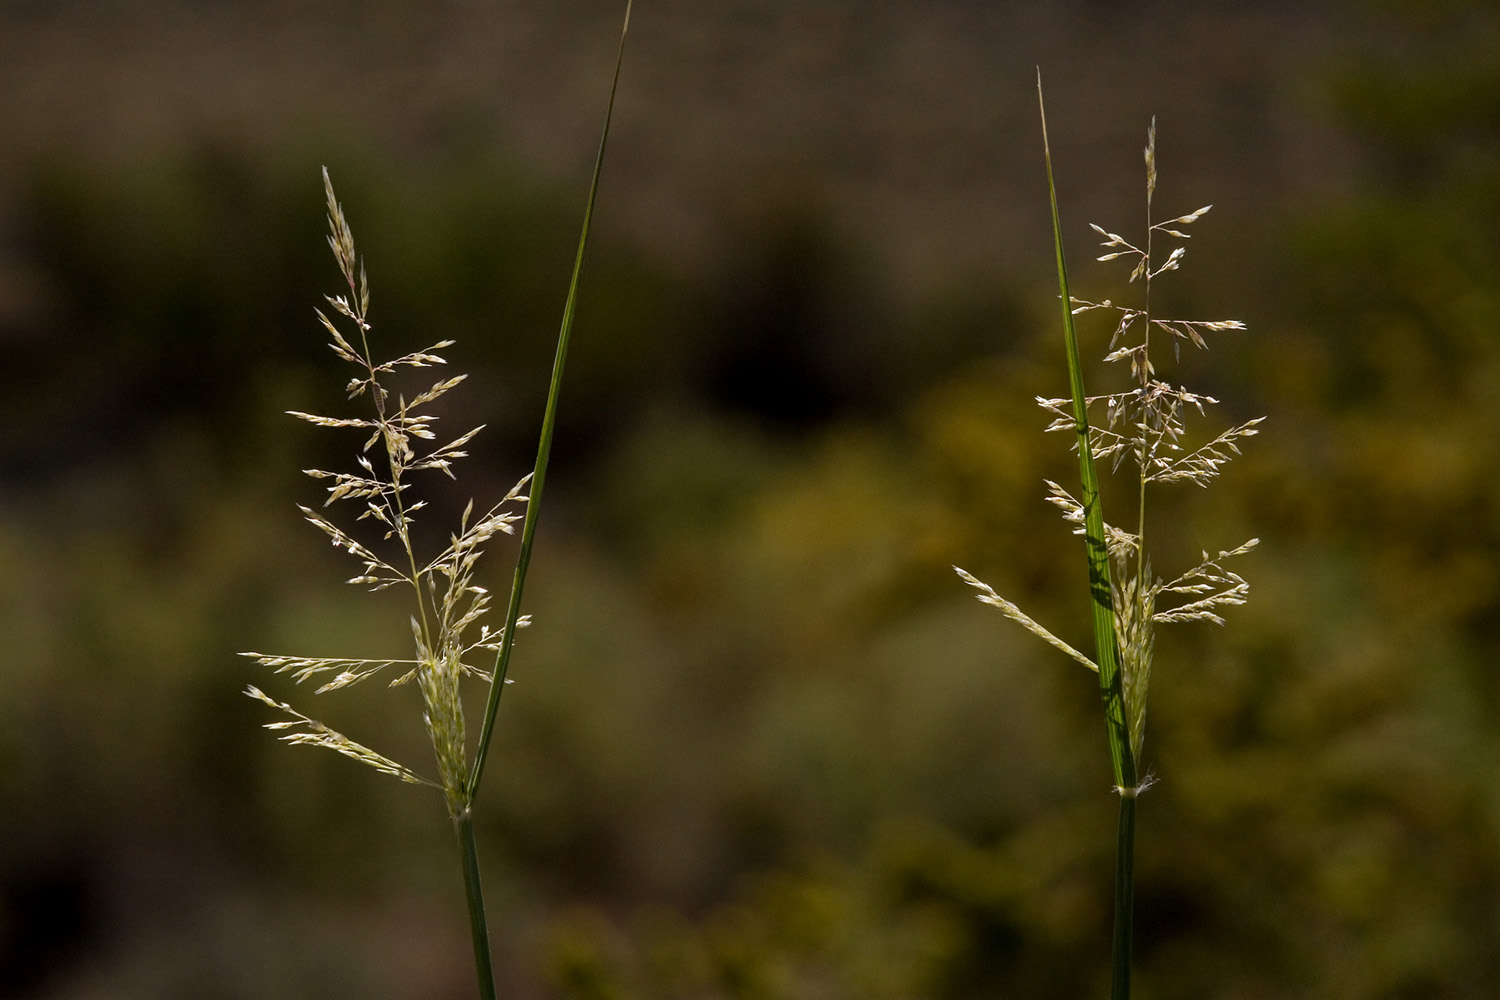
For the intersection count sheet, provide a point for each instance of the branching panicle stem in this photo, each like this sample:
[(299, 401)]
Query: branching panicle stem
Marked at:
[(1146, 424), (448, 602)]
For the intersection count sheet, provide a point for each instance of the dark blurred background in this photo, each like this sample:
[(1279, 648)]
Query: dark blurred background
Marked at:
[(762, 743)]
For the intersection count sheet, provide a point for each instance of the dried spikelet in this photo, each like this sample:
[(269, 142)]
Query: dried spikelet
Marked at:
[(988, 596), (1150, 163), (1134, 601), (1119, 542), (1211, 585), (319, 735)]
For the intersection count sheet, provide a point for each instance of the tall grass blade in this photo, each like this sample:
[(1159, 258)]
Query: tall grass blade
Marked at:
[(1111, 686), (544, 445), (1100, 586), (464, 822)]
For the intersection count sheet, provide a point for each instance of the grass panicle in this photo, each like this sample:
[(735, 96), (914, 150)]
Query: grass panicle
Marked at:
[(1144, 425), (400, 442), (451, 640)]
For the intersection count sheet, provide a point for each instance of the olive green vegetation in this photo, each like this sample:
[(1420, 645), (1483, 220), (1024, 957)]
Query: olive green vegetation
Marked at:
[(757, 745)]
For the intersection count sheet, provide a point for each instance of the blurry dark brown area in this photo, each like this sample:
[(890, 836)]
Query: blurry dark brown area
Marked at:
[(762, 742)]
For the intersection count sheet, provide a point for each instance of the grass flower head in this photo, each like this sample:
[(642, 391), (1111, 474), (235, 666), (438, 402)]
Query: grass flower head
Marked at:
[(401, 440)]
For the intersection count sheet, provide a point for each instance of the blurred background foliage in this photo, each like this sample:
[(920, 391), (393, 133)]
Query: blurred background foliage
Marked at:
[(762, 743)]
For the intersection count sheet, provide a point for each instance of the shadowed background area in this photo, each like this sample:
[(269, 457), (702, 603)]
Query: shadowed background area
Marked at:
[(762, 742)]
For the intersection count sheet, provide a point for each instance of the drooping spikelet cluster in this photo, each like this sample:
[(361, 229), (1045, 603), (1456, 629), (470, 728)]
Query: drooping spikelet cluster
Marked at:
[(449, 604), (1146, 424)]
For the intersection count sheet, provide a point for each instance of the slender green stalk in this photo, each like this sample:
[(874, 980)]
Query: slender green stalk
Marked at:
[(1120, 942), (544, 446), (1111, 686), (463, 826), (1147, 423), (449, 603)]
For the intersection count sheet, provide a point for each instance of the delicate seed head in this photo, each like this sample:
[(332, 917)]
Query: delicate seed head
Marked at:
[(1150, 161)]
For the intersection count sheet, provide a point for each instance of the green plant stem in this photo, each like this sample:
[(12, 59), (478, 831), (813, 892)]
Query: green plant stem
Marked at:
[(1111, 686), (463, 826), (1120, 946)]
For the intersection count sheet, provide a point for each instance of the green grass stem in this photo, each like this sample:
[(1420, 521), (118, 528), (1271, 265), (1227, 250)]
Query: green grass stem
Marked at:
[(1145, 423), (463, 826), (1120, 942)]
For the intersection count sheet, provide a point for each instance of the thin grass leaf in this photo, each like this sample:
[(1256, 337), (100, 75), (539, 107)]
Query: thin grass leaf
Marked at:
[(544, 445), (1102, 591), (1107, 656)]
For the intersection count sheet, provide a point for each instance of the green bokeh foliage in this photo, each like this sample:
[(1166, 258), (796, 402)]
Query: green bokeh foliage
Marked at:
[(761, 743)]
